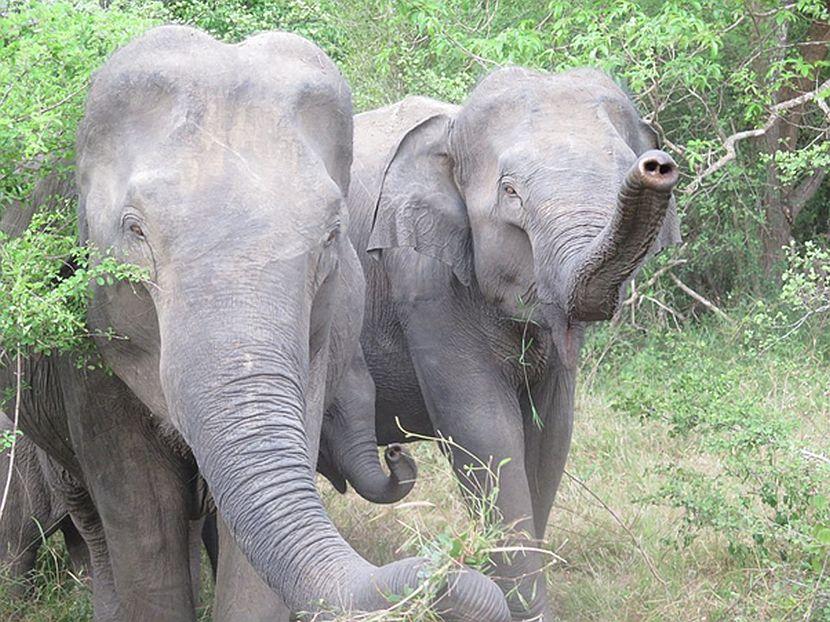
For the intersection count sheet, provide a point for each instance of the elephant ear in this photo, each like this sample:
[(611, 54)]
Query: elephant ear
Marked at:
[(419, 205), (670, 231)]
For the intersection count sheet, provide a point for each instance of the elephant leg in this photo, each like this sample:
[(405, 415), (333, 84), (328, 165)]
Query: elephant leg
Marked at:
[(210, 538), (478, 408), (87, 524), (240, 593), (141, 493), (196, 527), (75, 546), (27, 511)]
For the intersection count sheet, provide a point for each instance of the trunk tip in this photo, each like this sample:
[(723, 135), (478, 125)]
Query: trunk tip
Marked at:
[(393, 452), (657, 170)]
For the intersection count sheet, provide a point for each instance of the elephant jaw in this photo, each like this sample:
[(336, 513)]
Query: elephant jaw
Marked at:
[(592, 290)]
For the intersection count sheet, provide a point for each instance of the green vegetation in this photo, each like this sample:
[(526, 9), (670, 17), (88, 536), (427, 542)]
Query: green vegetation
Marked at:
[(701, 459)]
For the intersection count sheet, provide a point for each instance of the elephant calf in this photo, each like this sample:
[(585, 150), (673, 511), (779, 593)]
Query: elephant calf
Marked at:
[(504, 226)]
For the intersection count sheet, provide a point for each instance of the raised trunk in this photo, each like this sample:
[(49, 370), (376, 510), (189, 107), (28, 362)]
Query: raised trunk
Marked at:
[(238, 396), (596, 278)]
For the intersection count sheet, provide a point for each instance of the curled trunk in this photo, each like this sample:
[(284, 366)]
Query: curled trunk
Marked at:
[(351, 446), (361, 468), (593, 289)]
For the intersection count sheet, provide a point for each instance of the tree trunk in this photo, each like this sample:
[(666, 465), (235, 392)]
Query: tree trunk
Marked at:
[(782, 203)]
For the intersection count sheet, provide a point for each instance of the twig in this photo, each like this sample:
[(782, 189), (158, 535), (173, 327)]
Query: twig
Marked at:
[(809, 454), (653, 279), (8, 485), (665, 307), (705, 302), (649, 562), (795, 326)]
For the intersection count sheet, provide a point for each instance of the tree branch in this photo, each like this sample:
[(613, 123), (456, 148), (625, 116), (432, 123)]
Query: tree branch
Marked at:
[(776, 112), (705, 302), (8, 484)]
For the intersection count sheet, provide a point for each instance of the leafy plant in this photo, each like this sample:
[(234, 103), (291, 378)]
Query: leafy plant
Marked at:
[(745, 473)]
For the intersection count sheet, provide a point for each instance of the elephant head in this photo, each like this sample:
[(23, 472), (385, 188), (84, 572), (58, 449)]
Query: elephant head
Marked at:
[(222, 169), (543, 189)]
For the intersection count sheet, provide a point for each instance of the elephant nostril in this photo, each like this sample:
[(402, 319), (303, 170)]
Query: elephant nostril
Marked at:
[(393, 452), (657, 170)]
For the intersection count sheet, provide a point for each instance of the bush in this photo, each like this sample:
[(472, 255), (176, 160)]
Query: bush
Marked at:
[(746, 472)]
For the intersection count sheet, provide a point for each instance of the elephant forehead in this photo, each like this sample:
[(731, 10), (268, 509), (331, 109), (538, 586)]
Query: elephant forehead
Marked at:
[(181, 76), (519, 101), (568, 152)]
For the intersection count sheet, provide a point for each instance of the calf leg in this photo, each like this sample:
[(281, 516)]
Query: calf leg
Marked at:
[(240, 593)]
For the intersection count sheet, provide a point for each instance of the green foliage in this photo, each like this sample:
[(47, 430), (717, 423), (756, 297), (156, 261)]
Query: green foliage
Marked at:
[(801, 310), (745, 472), (43, 310), (48, 50), (7, 439)]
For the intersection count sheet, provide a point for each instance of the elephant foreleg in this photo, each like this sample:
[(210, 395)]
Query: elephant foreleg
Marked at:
[(140, 489), (546, 447), (480, 411)]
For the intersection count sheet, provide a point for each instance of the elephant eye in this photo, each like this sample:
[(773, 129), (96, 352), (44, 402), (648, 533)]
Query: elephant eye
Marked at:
[(510, 192), (332, 236), (137, 230)]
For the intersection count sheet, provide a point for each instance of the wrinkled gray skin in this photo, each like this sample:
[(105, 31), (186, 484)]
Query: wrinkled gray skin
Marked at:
[(222, 171), (539, 199), (34, 510)]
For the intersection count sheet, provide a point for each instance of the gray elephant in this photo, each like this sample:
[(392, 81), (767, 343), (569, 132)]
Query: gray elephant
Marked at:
[(33, 511), (503, 227), (222, 170)]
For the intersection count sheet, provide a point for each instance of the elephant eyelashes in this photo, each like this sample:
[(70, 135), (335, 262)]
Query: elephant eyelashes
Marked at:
[(331, 237)]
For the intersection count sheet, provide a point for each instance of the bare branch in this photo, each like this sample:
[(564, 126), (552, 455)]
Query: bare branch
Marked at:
[(704, 301), (776, 112), (8, 484)]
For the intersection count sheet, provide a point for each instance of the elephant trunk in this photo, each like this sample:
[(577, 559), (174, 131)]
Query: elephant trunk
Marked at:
[(351, 445), (594, 284), (236, 386), (357, 460)]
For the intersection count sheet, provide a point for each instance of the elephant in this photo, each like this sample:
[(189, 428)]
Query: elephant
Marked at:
[(33, 511), (220, 170), (496, 232)]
